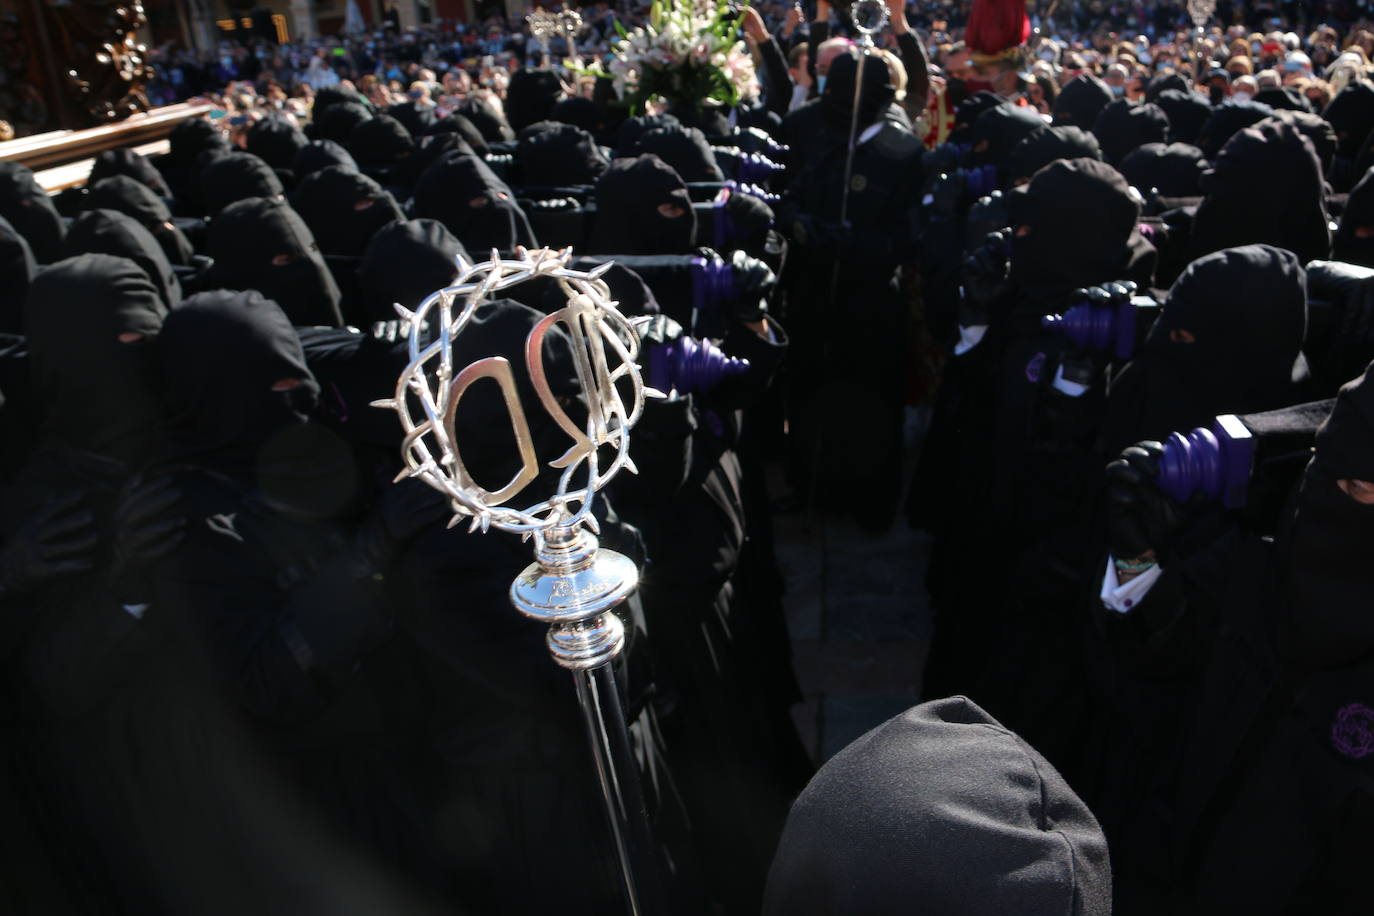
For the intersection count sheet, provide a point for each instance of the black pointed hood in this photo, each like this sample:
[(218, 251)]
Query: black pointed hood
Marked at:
[(686, 149), (1186, 111), (1076, 226), (264, 245), (125, 161), (1124, 126), (344, 209), (628, 219), (632, 128), (530, 97), (320, 154), (1081, 101), (237, 176), (877, 93), (463, 193), (1328, 577), (112, 232), (1244, 204), (29, 210), (17, 270), (275, 140), (1227, 120), (1045, 146), (127, 196), (1172, 169), (97, 392), (338, 122), (380, 141), (558, 155), (487, 119), (939, 810), (221, 354), (404, 263)]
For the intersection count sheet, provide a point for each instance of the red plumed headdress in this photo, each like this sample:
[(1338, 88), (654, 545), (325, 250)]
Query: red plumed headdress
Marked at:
[(997, 27)]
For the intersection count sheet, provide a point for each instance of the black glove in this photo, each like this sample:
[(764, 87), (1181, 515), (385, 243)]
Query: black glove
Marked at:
[(149, 523), (986, 279), (753, 283), (1348, 293), (988, 214), (945, 199), (402, 511), (1140, 516), (56, 543), (942, 160)]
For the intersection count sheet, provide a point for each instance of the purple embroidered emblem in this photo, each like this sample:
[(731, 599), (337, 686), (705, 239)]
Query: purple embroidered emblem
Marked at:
[(1035, 367), (1352, 734)]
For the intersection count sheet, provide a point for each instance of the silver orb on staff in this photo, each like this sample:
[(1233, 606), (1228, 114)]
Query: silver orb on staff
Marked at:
[(543, 25), (574, 586)]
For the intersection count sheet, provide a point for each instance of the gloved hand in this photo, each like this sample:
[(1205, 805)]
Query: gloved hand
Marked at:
[(753, 282), (945, 199), (1348, 290), (988, 214), (986, 278), (56, 543), (149, 523), (944, 159), (401, 512), (1140, 516)]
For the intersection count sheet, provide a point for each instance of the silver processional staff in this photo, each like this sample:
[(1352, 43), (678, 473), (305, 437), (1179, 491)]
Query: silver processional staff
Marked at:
[(574, 586)]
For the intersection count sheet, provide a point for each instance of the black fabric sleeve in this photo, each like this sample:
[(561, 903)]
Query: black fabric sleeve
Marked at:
[(775, 75)]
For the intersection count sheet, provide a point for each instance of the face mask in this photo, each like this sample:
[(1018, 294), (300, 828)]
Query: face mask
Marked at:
[(820, 84), (1241, 96), (1118, 90)]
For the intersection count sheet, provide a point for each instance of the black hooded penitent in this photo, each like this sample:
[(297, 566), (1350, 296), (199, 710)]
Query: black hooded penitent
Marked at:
[(124, 194), (1244, 203), (463, 193), (1228, 340), (1329, 577), (320, 154), (29, 210), (111, 232), (236, 176), (940, 810), (222, 354), (404, 263), (264, 245), (1173, 169), (1076, 226), (1227, 120), (837, 101), (124, 161), (343, 209), (275, 139), (1081, 100), (559, 155), (630, 199), (90, 322), (1042, 147), (530, 97), (1123, 126), (17, 270)]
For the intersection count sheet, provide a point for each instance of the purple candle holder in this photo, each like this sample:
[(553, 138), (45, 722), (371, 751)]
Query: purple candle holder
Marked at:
[(753, 190), (1108, 320), (755, 168), (690, 365), (713, 283), (1214, 461)]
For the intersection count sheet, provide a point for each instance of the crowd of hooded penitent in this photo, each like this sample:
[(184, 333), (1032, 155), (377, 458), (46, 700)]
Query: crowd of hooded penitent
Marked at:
[(247, 673)]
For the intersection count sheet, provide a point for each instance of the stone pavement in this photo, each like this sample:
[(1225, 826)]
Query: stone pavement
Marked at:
[(859, 619)]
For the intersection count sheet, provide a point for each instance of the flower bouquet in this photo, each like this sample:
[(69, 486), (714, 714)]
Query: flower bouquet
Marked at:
[(689, 55)]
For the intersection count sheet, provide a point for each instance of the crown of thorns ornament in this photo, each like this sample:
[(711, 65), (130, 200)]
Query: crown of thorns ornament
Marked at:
[(605, 346), (1200, 11), (543, 25)]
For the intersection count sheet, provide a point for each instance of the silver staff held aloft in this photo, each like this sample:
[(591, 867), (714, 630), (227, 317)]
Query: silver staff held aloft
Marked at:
[(574, 586), (869, 17)]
